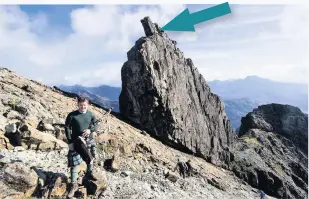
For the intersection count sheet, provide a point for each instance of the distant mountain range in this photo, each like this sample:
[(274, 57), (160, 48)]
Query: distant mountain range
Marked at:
[(106, 96), (263, 91), (240, 96)]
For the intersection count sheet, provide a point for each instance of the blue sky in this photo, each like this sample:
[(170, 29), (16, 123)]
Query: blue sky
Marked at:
[(58, 16), (87, 44)]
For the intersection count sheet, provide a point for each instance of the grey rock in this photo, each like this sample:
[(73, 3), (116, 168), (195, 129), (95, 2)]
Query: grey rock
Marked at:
[(286, 120), (216, 184), (22, 108), (14, 115), (96, 187), (10, 128), (270, 154), (149, 27), (164, 93), (3, 122), (19, 177), (48, 127), (48, 121), (171, 177), (29, 89)]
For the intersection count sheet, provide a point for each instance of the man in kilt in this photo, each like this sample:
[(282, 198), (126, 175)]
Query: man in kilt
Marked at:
[(80, 126)]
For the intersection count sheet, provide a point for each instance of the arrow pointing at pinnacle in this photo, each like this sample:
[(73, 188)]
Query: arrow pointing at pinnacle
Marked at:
[(186, 21)]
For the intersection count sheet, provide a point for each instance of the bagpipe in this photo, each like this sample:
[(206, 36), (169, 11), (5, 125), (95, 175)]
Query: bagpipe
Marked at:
[(80, 146)]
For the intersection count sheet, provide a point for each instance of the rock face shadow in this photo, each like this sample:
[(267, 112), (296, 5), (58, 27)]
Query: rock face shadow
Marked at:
[(108, 164)]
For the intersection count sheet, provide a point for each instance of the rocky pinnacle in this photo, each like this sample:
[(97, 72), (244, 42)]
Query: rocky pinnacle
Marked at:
[(164, 93)]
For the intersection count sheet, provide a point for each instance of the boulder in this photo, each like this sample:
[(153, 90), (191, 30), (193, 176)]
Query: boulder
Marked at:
[(10, 128), (48, 127), (171, 176), (14, 115), (19, 179), (48, 121), (5, 142), (29, 88), (21, 108), (216, 184), (13, 134), (59, 187), (96, 187), (34, 139), (7, 193)]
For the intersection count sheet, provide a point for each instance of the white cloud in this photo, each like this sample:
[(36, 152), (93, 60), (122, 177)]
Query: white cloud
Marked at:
[(101, 37), (94, 21), (272, 46), (106, 73), (267, 41)]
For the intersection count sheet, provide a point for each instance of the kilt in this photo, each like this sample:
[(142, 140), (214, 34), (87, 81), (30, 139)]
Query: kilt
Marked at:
[(75, 159)]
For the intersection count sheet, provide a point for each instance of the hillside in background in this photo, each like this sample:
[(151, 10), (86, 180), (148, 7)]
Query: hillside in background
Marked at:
[(103, 95), (238, 108), (262, 91)]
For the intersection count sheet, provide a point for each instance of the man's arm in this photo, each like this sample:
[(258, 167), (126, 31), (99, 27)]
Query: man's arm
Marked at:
[(92, 127), (93, 124), (68, 127)]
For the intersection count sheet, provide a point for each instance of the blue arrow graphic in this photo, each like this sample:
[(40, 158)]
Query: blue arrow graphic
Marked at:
[(186, 21)]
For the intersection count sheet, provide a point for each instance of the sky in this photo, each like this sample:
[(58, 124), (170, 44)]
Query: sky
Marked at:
[(87, 45)]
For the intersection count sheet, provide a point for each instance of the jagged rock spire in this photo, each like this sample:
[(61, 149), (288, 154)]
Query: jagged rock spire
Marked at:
[(164, 93), (150, 28)]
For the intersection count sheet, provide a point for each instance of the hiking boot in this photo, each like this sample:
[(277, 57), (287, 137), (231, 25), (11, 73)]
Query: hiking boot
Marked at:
[(90, 176), (74, 188)]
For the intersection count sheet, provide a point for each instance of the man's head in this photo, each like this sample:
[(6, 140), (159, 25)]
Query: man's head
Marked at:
[(83, 103)]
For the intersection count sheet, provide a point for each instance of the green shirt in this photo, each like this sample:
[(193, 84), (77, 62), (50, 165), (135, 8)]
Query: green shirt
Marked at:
[(77, 122)]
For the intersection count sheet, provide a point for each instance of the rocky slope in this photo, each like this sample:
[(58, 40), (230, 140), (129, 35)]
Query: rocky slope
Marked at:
[(164, 93), (271, 153), (143, 166)]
